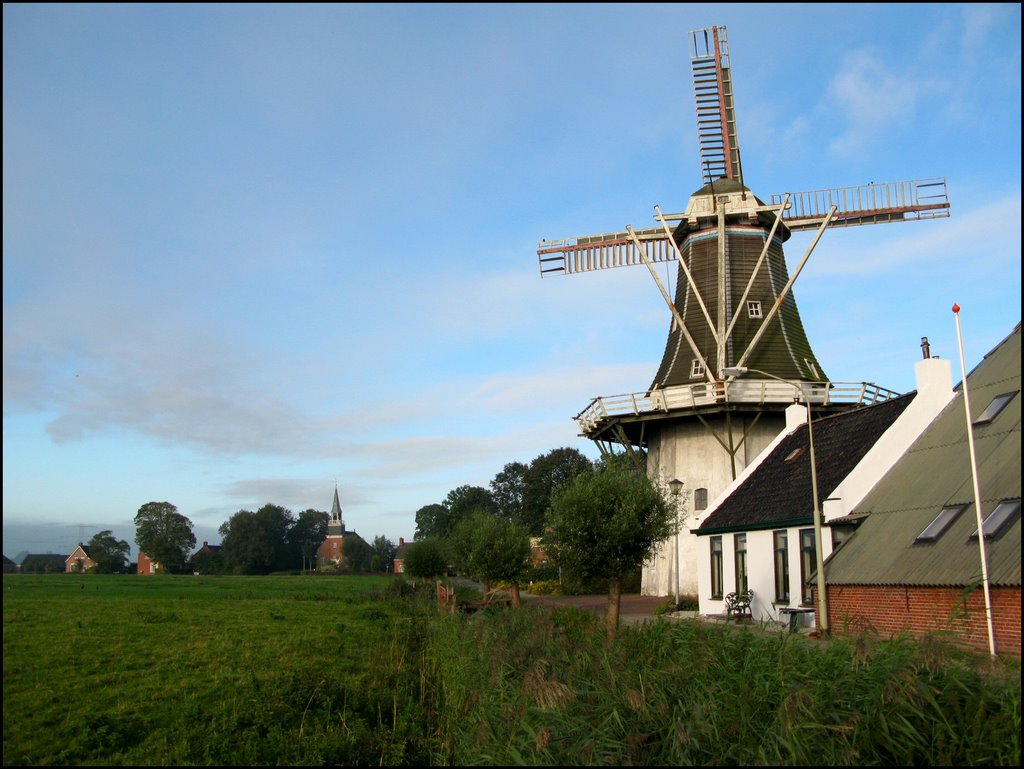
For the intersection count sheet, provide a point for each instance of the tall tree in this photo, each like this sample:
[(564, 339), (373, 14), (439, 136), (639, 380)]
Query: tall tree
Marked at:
[(606, 523), (306, 536), (507, 488), (277, 522), (109, 552), (386, 550), (425, 559), (245, 545), (463, 502), (432, 521), (357, 552), (544, 476), (164, 534)]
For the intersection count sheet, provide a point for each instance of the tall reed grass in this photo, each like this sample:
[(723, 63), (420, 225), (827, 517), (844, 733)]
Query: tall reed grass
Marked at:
[(538, 687)]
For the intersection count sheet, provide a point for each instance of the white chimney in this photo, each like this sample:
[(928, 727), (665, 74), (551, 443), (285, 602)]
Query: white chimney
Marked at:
[(934, 380), (796, 415)]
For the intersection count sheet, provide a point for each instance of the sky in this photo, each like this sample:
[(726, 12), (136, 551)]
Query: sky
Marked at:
[(254, 252)]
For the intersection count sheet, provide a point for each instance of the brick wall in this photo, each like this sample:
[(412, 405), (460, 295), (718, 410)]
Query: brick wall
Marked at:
[(923, 610)]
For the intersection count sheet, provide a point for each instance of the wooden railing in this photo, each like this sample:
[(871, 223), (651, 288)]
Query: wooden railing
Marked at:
[(741, 391)]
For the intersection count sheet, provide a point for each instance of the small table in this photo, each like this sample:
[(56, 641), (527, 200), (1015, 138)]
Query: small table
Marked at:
[(794, 614)]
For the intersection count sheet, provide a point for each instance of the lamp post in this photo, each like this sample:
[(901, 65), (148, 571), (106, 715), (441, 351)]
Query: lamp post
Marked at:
[(675, 486), (818, 546)]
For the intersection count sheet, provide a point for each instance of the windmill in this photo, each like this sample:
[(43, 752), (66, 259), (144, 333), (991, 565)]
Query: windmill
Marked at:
[(733, 308)]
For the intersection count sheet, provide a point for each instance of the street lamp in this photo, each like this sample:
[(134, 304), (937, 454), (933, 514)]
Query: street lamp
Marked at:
[(675, 486), (818, 554)]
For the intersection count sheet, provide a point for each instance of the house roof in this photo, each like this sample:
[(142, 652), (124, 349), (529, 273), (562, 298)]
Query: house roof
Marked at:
[(934, 473), (83, 548), (778, 493), (43, 557)]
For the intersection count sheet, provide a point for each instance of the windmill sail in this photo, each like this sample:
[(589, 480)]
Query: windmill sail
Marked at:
[(716, 113), (867, 204)]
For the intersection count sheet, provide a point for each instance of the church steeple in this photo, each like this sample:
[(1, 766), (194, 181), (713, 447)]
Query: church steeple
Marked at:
[(336, 526)]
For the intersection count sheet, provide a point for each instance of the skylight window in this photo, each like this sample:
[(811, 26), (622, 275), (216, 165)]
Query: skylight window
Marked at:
[(941, 522), (795, 454), (999, 518), (992, 410)]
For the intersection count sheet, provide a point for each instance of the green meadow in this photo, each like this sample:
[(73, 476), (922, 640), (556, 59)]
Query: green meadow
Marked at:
[(364, 670)]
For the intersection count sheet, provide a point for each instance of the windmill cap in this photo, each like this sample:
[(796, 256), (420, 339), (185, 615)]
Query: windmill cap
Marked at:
[(701, 209)]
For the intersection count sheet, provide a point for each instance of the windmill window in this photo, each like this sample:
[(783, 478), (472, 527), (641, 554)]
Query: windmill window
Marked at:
[(696, 369), (999, 518), (992, 410), (753, 309), (941, 522), (700, 499), (812, 368)]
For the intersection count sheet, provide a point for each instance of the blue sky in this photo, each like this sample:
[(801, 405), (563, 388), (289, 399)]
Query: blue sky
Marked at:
[(254, 251)]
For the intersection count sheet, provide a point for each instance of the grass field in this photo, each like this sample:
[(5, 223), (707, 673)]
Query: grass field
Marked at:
[(128, 670), (200, 670)]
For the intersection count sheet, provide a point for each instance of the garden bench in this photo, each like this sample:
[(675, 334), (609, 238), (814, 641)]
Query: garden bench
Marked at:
[(738, 604)]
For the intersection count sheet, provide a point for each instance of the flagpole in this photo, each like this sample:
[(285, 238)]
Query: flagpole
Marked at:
[(977, 492)]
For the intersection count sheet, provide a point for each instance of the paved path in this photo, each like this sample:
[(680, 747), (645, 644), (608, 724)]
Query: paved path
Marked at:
[(632, 608)]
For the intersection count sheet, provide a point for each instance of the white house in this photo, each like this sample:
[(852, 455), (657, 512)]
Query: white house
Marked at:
[(759, 535)]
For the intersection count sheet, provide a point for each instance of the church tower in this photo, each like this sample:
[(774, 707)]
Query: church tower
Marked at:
[(331, 551)]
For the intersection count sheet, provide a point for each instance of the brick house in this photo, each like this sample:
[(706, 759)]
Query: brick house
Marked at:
[(914, 563), (147, 565), (79, 561), (400, 552)]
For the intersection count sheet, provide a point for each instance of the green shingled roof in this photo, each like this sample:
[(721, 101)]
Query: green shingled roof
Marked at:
[(936, 472)]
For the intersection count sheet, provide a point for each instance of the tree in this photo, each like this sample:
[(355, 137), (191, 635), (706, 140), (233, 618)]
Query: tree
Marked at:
[(164, 534), (606, 522), (277, 523), (208, 562), (109, 552), (245, 546), (357, 552), (491, 550), (386, 550), (507, 489), (307, 534), (466, 500), (544, 476), (426, 559), (432, 521)]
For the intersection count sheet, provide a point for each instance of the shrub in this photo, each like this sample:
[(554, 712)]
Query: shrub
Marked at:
[(545, 587)]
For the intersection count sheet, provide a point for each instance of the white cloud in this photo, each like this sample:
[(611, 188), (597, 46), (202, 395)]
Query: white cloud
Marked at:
[(926, 244), (871, 100)]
